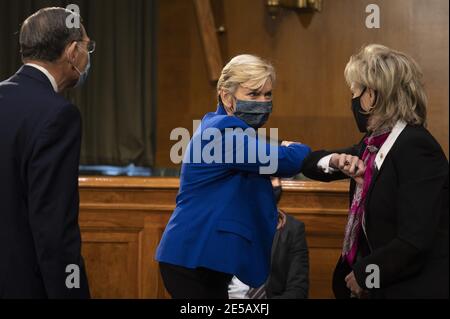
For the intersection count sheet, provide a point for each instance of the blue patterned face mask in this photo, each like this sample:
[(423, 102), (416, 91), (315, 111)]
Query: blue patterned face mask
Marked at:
[(254, 113), (83, 75)]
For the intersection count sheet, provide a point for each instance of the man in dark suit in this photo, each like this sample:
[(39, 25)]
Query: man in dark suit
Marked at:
[(289, 271), (40, 242)]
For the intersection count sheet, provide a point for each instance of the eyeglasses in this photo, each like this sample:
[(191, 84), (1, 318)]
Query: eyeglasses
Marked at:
[(90, 45)]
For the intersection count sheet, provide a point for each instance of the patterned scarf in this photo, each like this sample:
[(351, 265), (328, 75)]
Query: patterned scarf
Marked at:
[(357, 209)]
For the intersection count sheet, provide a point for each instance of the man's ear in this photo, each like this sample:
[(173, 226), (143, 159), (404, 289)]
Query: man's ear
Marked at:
[(71, 52)]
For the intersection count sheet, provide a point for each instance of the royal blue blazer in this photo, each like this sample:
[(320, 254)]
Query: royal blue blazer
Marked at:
[(226, 216)]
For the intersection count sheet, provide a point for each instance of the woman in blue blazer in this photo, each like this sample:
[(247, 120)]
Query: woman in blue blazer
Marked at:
[(226, 216)]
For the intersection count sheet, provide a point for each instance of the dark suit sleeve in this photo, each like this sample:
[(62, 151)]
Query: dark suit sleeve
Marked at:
[(53, 203), (422, 176), (311, 170), (297, 283)]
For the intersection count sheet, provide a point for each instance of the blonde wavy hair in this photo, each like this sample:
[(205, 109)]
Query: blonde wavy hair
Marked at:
[(248, 69), (396, 78)]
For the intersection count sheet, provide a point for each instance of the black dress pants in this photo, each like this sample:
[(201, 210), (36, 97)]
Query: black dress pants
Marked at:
[(199, 283)]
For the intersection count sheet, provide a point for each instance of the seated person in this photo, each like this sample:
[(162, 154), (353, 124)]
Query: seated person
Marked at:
[(289, 273)]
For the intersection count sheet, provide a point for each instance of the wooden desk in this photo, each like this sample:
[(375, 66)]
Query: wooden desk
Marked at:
[(123, 218)]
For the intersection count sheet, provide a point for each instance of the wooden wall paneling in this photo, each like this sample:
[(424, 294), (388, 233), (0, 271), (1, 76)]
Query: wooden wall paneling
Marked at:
[(111, 258), (184, 90), (208, 32), (122, 221)]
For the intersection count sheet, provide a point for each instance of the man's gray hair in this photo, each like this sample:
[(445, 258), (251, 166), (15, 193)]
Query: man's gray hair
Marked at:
[(44, 35)]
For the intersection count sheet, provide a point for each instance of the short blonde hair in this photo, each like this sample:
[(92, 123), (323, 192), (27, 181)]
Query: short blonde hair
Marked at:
[(396, 78), (248, 69)]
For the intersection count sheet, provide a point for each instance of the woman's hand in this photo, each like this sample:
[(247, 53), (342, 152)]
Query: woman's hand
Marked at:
[(349, 165), (352, 284)]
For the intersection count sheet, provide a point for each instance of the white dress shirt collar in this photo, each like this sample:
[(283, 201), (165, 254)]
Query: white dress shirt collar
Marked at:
[(47, 74)]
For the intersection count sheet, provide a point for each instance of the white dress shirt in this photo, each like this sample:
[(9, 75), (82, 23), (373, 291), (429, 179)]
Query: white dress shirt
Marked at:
[(324, 165), (237, 289)]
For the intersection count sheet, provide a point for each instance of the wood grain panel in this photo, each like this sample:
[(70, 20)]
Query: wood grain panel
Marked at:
[(111, 259), (209, 37)]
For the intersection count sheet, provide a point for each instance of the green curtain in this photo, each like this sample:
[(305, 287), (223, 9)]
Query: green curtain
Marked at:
[(116, 102)]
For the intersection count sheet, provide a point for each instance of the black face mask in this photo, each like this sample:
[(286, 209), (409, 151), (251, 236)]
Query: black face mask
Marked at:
[(277, 193), (361, 118)]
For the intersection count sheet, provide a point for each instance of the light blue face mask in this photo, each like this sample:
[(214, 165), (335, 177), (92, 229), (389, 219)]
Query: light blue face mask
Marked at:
[(254, 113), (83, 75)]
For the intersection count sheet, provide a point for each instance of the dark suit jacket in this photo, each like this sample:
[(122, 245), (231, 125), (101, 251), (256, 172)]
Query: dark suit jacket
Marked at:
[(406, 219), (289, 274), (40, 133)]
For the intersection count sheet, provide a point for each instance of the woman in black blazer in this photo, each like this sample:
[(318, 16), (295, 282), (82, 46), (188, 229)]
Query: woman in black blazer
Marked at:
[(396, 241)]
